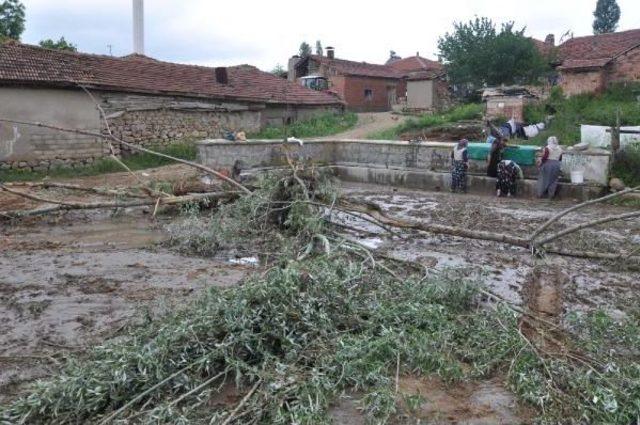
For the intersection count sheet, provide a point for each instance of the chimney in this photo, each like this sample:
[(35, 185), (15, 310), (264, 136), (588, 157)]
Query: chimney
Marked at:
[(331, 52), (138, 27), (291, 67), (222, 77), (550, 40)]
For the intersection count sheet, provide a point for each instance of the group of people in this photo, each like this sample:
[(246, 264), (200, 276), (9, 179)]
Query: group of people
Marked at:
[(507, 172)]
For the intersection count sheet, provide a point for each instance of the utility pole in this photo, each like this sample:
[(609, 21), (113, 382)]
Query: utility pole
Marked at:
[(110, 46)]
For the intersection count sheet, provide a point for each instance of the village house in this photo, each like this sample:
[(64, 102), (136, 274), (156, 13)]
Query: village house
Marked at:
[(424, 85), (590, 64), (367, 87), (364, 87), (146, 101)]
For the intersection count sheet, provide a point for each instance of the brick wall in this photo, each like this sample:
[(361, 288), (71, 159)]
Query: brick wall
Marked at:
[(505, 107), (354, 93), (573, 83), (625, 67)]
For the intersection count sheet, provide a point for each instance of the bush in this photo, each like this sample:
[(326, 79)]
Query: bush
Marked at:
[(627, 165), (570, 113)]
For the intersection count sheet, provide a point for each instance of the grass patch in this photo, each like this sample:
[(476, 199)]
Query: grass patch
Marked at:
[(470, 111), (322, 125), (106, 165), (626, 166), (570, 113)]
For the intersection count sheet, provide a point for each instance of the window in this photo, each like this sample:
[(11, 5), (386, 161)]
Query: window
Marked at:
[(368, 94)]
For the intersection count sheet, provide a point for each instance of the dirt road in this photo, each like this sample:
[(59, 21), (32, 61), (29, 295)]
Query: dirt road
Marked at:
[(368, 123)]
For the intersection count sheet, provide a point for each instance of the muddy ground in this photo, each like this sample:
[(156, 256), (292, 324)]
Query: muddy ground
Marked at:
[(72, 281)]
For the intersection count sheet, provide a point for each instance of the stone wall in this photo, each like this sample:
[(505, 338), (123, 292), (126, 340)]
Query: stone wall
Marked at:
[(147, 120), (391, 155), (162, 127)]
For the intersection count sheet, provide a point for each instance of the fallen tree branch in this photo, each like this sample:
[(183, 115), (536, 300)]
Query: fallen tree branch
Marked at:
[(592, 223), (561, 214), (67, 206), (377, 215), (96, 190), (133, 147)]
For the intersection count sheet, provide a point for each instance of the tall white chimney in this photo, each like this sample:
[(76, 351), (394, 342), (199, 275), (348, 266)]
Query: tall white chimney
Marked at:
[(138, 27)]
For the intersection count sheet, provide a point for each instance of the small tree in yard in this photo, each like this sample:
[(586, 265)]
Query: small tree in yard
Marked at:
[(607, 15), (11, 19), (476, 54), (305, 50), (319, 49), (61, 44)]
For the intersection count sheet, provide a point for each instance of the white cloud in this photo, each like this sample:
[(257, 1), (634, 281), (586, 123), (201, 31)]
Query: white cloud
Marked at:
[(264, 33)]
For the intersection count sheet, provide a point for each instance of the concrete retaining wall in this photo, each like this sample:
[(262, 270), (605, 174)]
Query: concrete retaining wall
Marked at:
[(395, 155)]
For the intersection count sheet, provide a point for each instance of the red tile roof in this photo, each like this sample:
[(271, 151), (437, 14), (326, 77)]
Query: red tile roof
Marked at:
[(416, 64), (31, 65), (543, 48), (597, 50), (364, 69)]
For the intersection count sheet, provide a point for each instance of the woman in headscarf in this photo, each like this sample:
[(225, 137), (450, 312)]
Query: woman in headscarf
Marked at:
[(550, 168), (460, 164), (495, 156), (508, 174)]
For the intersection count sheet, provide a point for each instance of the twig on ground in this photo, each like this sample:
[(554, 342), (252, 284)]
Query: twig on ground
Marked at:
[(233, 413)]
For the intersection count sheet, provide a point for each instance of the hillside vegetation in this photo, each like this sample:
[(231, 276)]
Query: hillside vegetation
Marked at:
[(570, 113), (459, 113), (322, 125)]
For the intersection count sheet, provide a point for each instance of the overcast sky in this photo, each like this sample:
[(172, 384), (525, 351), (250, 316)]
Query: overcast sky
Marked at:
[(265, 33)]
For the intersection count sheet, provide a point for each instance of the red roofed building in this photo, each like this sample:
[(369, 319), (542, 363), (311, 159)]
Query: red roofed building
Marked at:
[(364, 86), (424, 84), (147, 102), (589, 64)]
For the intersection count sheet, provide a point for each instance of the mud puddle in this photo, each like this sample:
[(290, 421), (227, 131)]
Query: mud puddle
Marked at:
[(504, 269), (82, 280), (431, 401)]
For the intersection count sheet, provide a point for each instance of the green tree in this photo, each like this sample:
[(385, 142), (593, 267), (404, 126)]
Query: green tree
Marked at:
[(477, 54), (61, 44), (319, 49), (305, 50), (607, 15), (279, 71), (11, 19)]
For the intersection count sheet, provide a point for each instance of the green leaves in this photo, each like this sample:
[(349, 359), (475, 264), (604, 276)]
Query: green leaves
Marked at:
[(476, 54), (11, 19)]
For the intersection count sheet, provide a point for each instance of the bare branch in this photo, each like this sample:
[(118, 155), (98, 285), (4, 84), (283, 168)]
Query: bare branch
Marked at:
[(134, 147), (576, 207)]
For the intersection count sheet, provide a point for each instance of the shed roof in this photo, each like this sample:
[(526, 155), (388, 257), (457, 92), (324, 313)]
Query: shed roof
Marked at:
[(31, 65)]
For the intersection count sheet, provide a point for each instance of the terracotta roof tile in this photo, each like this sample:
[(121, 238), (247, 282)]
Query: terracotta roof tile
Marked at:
[(364, 69), (25, 64), (599, 49), (416, 64)]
